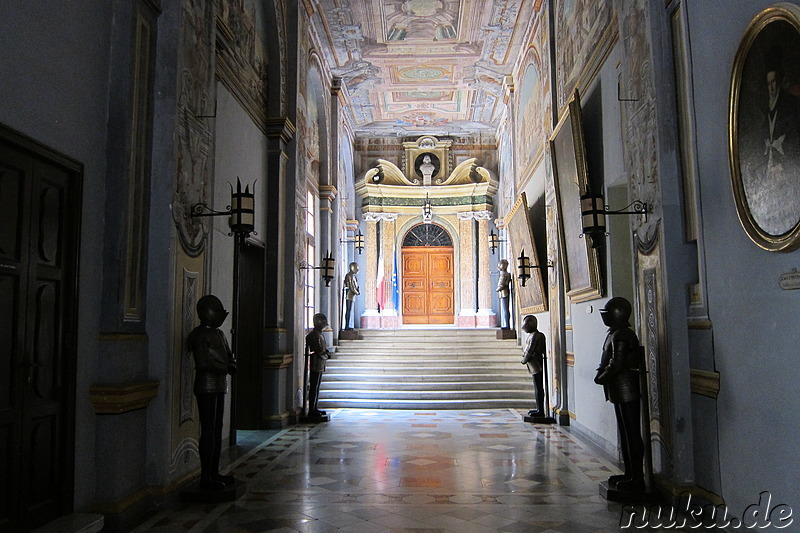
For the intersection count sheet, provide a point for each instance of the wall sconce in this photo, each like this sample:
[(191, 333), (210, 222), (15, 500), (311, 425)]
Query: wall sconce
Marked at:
[(241, 210), (427, 210), (358, 239), (593, 216), (494, 241), (524, 267), (327, 267)]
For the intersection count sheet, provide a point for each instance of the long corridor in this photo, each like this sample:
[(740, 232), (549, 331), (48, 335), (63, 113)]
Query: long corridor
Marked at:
[(370, 471)]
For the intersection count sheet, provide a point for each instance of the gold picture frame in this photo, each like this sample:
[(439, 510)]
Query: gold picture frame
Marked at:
[(764, 129), (568, 156), (531, 298)]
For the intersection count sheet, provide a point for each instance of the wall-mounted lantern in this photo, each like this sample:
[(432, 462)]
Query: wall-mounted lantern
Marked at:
[(427, 210), (327, 267), (593, 216), (358, 240)]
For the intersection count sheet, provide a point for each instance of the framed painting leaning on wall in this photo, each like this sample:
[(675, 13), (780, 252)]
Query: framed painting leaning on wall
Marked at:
[(764, 129), (532, 297), (568, 154)]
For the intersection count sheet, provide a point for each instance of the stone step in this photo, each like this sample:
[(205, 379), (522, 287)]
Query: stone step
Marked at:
[(429, 350), (416, 333), (426, 368), (524, 386), (505, 369), (375, 395), (427, 405), (424, 358), (464, 379)]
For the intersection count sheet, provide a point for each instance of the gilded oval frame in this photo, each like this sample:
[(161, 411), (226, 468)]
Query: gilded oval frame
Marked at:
[(782, 241)]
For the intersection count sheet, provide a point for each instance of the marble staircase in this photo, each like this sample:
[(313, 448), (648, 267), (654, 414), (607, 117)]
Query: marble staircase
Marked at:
[(427, 368)]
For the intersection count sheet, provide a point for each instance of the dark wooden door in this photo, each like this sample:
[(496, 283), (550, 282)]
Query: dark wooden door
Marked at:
[(428, 285), (38, 246), (250, 316)]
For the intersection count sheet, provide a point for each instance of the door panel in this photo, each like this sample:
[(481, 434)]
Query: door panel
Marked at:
[(38, 250), (428, 285)]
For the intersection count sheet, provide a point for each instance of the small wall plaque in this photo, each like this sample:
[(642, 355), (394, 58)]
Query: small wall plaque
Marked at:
[(790, 280)]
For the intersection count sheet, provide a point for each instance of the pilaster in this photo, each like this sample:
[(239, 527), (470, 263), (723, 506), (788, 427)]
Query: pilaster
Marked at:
[(486, 317), (467, 315)]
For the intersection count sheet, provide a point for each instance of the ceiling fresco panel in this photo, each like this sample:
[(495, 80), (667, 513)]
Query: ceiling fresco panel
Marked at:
[(414, 66)]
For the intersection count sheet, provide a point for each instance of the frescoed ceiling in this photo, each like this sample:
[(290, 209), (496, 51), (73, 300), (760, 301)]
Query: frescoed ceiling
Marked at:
[(423, 66)]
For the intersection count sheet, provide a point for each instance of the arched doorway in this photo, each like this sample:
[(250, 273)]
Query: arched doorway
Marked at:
[(427, 275)]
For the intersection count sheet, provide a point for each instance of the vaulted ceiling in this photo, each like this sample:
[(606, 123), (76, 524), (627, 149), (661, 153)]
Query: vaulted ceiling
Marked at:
[(423, 66)]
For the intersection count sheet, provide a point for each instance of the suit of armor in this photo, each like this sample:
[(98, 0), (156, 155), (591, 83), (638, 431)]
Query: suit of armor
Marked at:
[(213, 362), (318, 354), (533, 358), (618, 373), (351, 284), (504, 291)]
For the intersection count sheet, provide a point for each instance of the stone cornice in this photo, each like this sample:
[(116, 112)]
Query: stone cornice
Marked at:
[(328, 192), (122, 398), (279, 127), (704, 383), (277, 360)]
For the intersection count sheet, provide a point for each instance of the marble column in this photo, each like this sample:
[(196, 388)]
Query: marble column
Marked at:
[(371, 242), (389, 316), (485, 316), (467, 315)]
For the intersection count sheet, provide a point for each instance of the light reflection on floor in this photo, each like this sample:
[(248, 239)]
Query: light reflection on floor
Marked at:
[(405, 471)]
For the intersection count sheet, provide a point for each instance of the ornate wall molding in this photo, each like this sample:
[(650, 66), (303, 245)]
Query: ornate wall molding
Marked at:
[(194, 132)]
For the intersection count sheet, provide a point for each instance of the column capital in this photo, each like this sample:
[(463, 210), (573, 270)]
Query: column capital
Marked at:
[(476, 215), (374, 217)]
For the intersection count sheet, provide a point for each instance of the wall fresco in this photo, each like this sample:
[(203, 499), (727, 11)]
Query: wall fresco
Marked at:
[(533, 110), (584, 30)]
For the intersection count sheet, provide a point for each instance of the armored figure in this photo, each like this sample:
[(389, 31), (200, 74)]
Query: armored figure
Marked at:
[(533, 357), (318, 353), (504, 291), (213, 361), (351, 291), (618, 373)]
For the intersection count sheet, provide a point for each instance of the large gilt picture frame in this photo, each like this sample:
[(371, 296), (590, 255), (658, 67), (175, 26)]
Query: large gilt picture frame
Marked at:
[(532, 297), (764, 129), (568, 156)]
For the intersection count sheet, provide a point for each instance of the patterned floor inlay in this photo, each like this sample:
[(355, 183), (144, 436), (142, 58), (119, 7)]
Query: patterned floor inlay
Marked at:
[(403, 471)]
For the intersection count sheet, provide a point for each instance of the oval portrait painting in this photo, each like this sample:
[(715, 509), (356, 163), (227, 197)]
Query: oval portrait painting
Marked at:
[(765, 129)]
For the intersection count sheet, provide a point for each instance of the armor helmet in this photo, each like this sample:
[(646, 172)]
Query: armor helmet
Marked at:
[(529, 324), (320, 321), (616, 312), (502, 265), (354, 267), (211, 311)]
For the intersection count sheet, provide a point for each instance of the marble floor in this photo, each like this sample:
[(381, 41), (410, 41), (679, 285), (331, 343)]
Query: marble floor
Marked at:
[(369, 471)]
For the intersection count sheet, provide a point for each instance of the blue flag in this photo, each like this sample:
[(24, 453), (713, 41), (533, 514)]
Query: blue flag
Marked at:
[(395, 291)]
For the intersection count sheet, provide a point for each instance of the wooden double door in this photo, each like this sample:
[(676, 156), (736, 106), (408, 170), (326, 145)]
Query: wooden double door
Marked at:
[(39, 208), (428, 285)]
